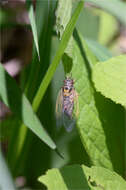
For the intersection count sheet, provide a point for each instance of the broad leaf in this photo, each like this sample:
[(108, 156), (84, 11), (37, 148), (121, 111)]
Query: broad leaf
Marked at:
[(103, 179), (89, 124), (110, 79), (81, 177), (114, 134), (71, 177)]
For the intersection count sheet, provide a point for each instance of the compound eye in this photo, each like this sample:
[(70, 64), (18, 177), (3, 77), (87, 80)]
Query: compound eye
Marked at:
[(66, 88)]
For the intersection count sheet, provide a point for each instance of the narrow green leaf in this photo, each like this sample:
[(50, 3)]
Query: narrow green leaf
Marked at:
[(89, 124), (6, 181), (101, 52), (81, 177), (110, 79), (115, 7), (30, 8), (19, 104), (63, 44)]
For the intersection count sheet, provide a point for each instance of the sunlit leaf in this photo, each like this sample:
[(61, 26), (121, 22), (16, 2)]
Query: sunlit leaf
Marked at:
[(89, 125), (81, 177), (110, 79)]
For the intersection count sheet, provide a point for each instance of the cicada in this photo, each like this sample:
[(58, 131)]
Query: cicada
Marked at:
[(66, 101)]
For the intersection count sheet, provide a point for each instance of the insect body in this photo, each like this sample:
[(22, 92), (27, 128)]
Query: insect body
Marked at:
[(66, 100)]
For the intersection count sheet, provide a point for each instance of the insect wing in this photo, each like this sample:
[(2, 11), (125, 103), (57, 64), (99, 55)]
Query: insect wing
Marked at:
[(59, 105), (68, 122), (76, 103)]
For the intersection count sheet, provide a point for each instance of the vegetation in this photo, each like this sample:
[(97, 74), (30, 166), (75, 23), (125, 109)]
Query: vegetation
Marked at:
[(83, 39)]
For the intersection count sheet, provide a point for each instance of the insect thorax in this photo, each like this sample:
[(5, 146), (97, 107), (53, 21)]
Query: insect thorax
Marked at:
[(68, 86)]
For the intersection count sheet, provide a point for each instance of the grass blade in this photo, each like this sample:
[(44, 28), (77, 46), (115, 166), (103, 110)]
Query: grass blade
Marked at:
[(6, 181), (19, 104), (30, 8), (63, 44)]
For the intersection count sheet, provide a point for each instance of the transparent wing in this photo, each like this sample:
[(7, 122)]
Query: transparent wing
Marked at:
[(59, 107), (64, 119), (68, 122)]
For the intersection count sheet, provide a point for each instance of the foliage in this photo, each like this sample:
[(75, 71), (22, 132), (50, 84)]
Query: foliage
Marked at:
[(94, 178), (95, 149)]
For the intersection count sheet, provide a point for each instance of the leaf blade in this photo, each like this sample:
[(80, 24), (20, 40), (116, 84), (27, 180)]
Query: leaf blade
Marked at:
[(109, 79), (19, 104), (82, 177), (63, 44), (6, 181), (89, 125), (115, 7), (30, 9)]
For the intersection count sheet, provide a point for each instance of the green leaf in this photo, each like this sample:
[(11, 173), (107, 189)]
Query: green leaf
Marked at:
[(63, 44), (91, 21), (19, 104), (6, 181), (109, 78), (101, 52), (30, 8), (115, 7), (107, 21), (71, 177), (108, 124), (103, 179), (63, 14), (21, 141), (89, 125), (81, 177)]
